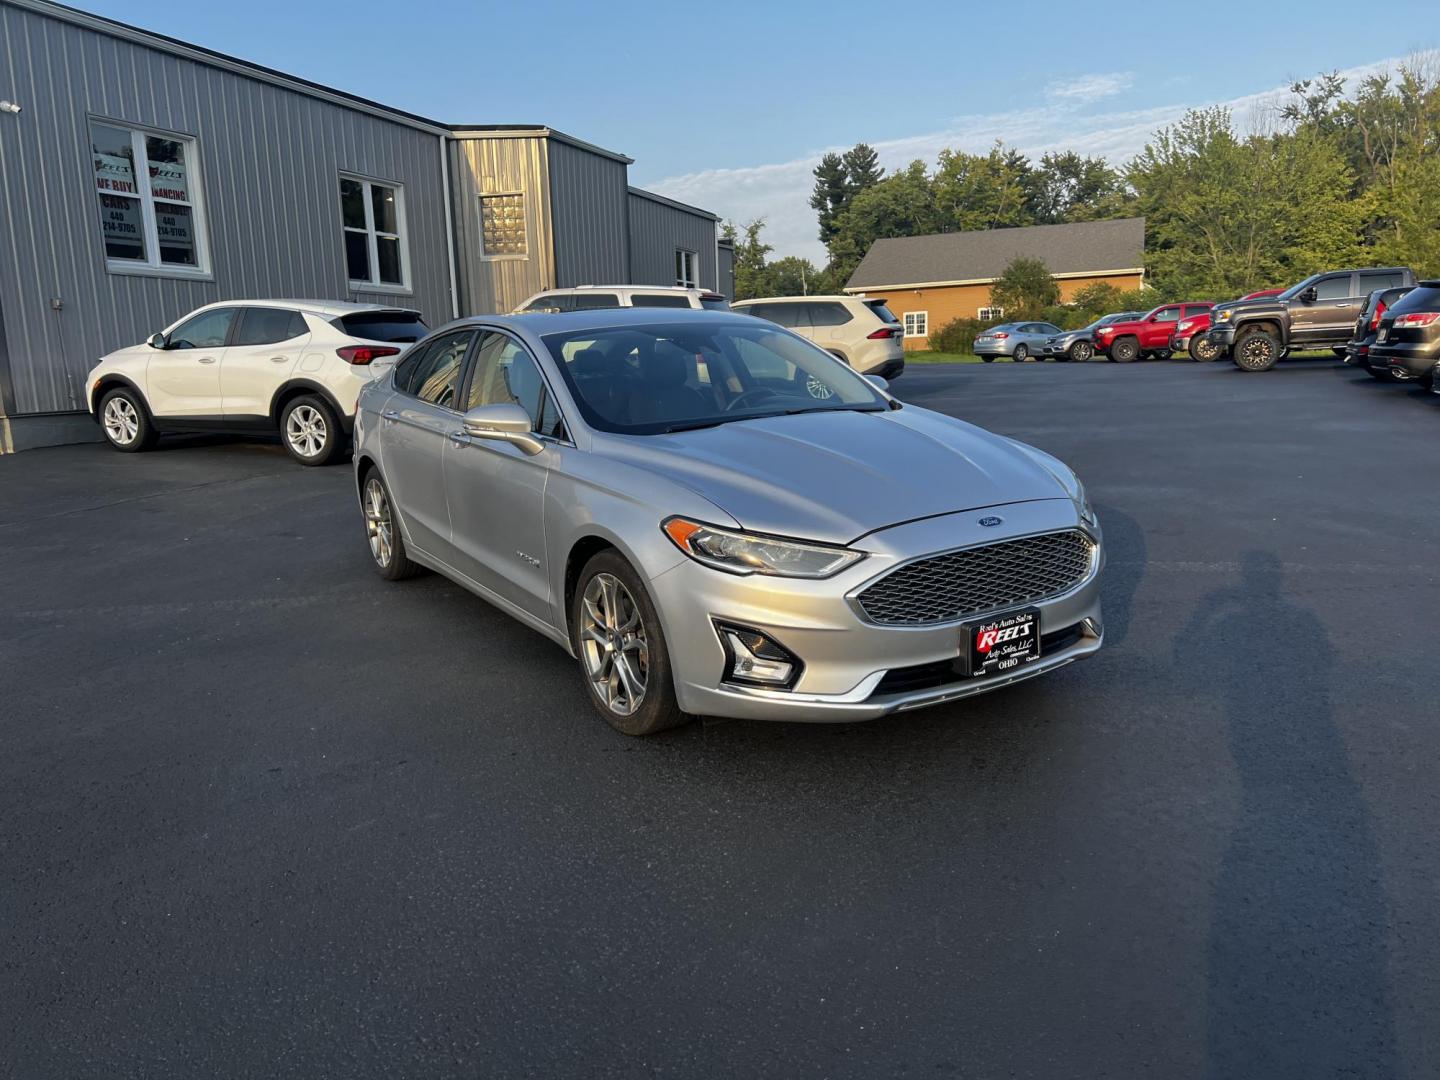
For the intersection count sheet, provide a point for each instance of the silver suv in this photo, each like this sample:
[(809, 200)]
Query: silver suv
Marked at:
[(590, 297), (862, 332)]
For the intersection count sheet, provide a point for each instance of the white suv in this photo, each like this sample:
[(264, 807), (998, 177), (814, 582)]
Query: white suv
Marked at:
[(862, 332), (252, 365), (586, 297)]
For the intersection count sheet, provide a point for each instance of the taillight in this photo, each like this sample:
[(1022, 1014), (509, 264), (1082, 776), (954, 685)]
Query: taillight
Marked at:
[(999, 337), (1379, 310), (363, 354), (884, 332), (1419, 319)]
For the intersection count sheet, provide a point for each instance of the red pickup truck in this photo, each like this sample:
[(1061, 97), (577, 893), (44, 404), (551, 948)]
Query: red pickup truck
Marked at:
[(1147, 337)]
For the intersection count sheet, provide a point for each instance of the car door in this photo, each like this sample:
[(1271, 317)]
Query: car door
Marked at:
[(830, 329), (496, 491), (1330, 315), (415, 427), (1156, 331), (183, 378), (263, 351)]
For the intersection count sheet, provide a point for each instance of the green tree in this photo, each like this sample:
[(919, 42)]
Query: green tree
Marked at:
[(831, 194), (1068, 187), (1025, 289), (794, 276), (862, 168), (902, 204), (981, 191), (752, 276)]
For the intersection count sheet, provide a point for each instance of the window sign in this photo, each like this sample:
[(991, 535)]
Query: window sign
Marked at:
[(155, 227)]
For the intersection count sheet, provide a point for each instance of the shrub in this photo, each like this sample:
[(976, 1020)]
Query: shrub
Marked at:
[(956, 336)]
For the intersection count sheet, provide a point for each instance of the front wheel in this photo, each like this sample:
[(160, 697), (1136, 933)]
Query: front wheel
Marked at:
[(387, 546), (987, 359), (1258, 350), (1021, 354), (621, 647), (126, 424), (1125, 350), (311, 430), (1203, 351), (1081, 351)]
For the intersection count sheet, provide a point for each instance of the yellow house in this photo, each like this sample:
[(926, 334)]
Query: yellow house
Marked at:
[(928, 281)]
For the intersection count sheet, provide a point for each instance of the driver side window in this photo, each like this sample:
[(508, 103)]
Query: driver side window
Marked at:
[(1334, 288), (208, 330)]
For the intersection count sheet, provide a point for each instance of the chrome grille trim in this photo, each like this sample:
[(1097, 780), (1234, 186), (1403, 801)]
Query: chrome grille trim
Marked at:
[(968, 582)]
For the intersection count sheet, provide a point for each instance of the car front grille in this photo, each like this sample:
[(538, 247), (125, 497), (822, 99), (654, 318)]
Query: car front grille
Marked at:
[(947, 587)]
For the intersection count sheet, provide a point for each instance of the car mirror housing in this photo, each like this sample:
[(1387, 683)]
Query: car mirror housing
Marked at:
[(879, 381), (503, 422), (156, 341)]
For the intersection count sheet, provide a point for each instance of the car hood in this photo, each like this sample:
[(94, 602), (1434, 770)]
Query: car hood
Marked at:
[(837, 476)]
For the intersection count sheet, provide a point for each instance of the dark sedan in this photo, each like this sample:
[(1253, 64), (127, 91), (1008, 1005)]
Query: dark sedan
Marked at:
[(1408, 338)]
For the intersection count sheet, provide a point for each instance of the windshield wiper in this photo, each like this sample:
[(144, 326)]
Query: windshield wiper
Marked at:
[(693, 425), (834, 408)]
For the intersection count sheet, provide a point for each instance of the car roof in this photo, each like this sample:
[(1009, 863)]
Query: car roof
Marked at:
[(541, 323), (799, 299), (686, 290), (317, 307)]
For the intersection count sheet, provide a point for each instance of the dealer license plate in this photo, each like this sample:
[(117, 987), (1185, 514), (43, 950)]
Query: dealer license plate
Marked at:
[(1001, 644), (1382, 336)]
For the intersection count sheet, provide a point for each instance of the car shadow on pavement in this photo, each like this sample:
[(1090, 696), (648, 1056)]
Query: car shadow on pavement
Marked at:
[(1125, 560), (1296, 981)]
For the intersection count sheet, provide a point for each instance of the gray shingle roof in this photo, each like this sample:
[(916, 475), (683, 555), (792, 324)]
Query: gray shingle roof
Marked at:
[(1090, 246)]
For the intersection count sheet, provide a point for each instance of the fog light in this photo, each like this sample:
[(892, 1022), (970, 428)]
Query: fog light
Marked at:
[(752, 659)]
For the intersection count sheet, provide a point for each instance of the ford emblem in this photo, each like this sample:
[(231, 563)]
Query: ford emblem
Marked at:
[(991, 522)]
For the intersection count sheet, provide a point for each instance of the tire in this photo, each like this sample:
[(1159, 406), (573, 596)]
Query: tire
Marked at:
[(1256, 350), (1383, 375), (1338, 350), (387, 545), (310, 430), (609, 582), (1124, 350), (987, 359), (1163, 354), (1080, 352), (1202, 351), (1427, 381), (1021, 354), (126, 422)]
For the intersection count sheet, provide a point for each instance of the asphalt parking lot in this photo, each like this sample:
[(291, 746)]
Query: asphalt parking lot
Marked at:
[(263, 814)]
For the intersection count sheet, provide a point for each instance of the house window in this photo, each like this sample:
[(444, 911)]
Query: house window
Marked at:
[(917, 324), (502, 226), (687, 269), (990, 314), (373, 218), (149, 192)]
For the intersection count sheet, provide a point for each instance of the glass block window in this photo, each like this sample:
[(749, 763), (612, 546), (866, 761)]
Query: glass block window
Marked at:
[(502, 226)]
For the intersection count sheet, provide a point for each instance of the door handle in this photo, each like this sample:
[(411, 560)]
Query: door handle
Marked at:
[(389, 416), (460, 438), (279, 359), (206, 359)]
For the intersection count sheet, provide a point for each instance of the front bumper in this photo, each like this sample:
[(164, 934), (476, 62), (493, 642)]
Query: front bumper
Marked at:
[(1223, 336), (855, 669)]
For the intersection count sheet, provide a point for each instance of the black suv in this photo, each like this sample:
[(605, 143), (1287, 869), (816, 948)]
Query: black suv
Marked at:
[(1357, 353), (1408, 339), (1318, 313)]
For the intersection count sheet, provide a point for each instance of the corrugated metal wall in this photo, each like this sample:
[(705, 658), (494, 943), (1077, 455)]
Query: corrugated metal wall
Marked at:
[(588, 209), (656, 231), (269, 161), (498, 166), (726, 285)]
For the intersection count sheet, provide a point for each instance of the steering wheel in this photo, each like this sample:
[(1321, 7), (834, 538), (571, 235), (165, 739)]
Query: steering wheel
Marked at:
[(753, 392)]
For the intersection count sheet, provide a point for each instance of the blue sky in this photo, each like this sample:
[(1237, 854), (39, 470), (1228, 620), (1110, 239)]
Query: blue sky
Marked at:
[(728, 105)]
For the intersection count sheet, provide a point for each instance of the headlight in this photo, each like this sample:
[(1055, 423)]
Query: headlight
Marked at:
[(1082, 502), (746, 553), (1182, 327), (1222, 316)]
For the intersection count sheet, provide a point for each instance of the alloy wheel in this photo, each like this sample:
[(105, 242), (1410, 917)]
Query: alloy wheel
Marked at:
[(1256, 351), (378, 524), (817, 389), (306, 430), (122, 422), (613, 644), (1083, 350)]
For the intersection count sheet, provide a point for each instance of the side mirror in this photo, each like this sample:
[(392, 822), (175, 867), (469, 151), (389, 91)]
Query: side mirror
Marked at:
[(1309, 295), (156, 341), (879, 381), (506, 422)]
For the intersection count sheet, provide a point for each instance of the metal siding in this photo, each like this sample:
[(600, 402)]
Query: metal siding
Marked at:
[(657, 231), (269, 161), (588, 196), (496, 166), (726, 285)]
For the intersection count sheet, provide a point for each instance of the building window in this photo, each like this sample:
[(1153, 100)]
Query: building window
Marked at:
[(687, 269), (502, 226), (917, 324), (990, 314), (149, 192), (373, 218)]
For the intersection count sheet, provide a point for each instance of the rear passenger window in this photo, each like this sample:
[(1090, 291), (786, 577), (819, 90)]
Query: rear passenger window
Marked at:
[(434, 374), (590, 301), (554, 302), (1371, 282), (1193, 310), (659, 300), (268, 326), (825, 314)]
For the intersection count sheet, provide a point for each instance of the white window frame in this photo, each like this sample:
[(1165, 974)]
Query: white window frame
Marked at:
[(986, 313), (372, 235), (687, 260), (151, 266), (480, 226), (917, 323)]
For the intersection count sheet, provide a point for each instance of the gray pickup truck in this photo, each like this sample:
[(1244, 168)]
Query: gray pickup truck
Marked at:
[(1318, 313)]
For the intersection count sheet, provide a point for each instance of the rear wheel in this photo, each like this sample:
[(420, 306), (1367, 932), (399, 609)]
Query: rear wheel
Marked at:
[(987, 359), (310, 430), (1428, 379), (126, 424), (1256, 350), (1203, 351), (1081, 351), (622, 649), (1124, 350), (1021, 354)]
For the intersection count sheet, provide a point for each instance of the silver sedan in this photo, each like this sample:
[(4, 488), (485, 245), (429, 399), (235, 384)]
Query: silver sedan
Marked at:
[(1018, 340), (716, 517)]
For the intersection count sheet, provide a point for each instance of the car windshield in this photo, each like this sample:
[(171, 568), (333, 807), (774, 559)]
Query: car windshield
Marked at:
[(658, 378), (1296, 290)]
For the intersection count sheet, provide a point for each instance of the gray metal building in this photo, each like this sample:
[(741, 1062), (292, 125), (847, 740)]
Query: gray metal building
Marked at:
[(140, 181)]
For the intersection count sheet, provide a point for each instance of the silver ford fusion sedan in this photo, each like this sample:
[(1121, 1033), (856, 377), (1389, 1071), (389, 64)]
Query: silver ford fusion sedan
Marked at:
[(716, 517)]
